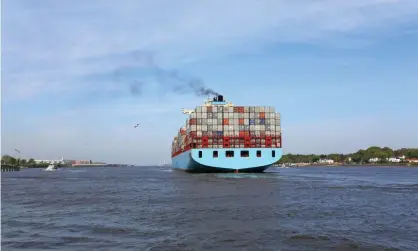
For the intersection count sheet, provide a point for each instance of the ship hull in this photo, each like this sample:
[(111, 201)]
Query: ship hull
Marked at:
[(203, 160)]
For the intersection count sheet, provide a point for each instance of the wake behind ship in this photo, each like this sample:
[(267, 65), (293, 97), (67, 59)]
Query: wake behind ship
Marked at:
[(221, 137)]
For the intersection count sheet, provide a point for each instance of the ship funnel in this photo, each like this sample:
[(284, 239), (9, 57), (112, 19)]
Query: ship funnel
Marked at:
[(218, 98)]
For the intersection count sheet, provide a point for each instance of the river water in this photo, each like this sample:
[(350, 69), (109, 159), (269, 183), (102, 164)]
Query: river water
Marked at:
[(154, 208)]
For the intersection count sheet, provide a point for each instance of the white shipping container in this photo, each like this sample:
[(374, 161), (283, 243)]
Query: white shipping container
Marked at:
[(204, 109), (215, 109), (204, 128), (210, 122), (193, 115), (199, 128), (194, 128), (236, 115), (262, 109), (199, 109), (246, 109)]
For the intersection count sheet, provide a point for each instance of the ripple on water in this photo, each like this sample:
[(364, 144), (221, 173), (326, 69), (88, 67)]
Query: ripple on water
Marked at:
[(157, 209)]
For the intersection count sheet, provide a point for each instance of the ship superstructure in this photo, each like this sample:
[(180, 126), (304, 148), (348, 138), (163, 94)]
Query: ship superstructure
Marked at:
[(221, 137)]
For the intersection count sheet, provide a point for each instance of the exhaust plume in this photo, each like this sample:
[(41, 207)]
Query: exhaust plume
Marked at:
[(170, 80)]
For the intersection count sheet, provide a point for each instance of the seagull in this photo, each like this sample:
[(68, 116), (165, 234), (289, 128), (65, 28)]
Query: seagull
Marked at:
[(135, 126), (17, 150)]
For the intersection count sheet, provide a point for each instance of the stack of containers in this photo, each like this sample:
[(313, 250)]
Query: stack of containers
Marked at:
[(229, 127)]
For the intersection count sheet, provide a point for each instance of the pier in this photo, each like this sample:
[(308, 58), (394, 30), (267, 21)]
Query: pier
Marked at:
[(10, 168)]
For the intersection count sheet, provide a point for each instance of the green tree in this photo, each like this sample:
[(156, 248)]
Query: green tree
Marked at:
[(8, 160), (23, 162)]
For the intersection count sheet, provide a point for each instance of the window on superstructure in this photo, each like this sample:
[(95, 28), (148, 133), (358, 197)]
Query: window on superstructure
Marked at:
[(245, 154), (273, 153), (215, 154), (229, 154), (258, 154), (200, 154)]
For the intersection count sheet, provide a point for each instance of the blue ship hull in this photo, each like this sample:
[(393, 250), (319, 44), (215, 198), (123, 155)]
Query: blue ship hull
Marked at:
[(203, 161)]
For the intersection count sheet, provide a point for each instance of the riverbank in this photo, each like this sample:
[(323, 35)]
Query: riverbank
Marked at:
[(353, 165)]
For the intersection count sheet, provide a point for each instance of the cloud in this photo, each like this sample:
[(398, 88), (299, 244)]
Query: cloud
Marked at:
[(51, 45)]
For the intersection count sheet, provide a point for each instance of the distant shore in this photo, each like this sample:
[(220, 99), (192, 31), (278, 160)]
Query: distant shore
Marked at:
[(353, 165)]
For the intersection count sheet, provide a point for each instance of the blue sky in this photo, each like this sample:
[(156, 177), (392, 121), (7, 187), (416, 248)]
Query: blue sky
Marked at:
[(343, 74)]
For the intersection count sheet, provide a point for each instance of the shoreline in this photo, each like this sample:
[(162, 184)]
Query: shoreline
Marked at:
[(351, 165)]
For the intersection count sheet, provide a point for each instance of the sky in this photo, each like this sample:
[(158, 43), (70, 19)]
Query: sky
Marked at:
[(343, 74)]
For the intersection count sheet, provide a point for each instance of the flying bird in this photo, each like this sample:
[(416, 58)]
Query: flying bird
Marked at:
[(135, 126), (17, 150)]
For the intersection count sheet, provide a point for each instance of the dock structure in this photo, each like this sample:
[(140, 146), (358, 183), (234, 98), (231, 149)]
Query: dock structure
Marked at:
[(10, 168)]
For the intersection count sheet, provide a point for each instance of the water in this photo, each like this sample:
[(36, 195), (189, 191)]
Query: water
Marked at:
[(154, 208)]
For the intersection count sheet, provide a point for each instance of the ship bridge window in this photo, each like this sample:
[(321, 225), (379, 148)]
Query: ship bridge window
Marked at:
[(200, 154), (273, 153), (258, 154), (245, 154), (229, 154), (215, 154)]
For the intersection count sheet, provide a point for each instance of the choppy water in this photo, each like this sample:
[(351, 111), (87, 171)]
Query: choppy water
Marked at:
[(154, 208)]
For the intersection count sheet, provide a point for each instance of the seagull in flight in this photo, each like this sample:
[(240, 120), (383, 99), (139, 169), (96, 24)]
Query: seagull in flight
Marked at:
[(135, 126)]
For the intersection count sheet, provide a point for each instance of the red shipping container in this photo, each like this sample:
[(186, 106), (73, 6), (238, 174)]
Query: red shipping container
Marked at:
[(262, 115), (226, 122), (193, 121), (241, 109), (241, 121)]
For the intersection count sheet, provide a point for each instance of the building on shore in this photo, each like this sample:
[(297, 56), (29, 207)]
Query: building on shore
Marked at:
[(59, 161), (326, 161)]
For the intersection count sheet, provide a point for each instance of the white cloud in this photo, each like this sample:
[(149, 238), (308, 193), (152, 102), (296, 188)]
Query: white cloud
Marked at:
[(46, 45)]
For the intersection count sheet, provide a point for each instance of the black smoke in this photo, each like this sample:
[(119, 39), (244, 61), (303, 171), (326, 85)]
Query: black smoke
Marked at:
[(169, 80)]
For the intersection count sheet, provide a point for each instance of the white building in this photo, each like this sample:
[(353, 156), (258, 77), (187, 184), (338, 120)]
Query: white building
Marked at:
[(60, 161), (393, 160), (326, 161), (374, 160)]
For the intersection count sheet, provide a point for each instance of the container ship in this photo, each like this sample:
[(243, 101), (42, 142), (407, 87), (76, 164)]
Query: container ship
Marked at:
[(221, 137)]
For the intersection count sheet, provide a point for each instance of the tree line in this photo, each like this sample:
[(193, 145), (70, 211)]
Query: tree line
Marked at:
[(10, 160), (359, 157)]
